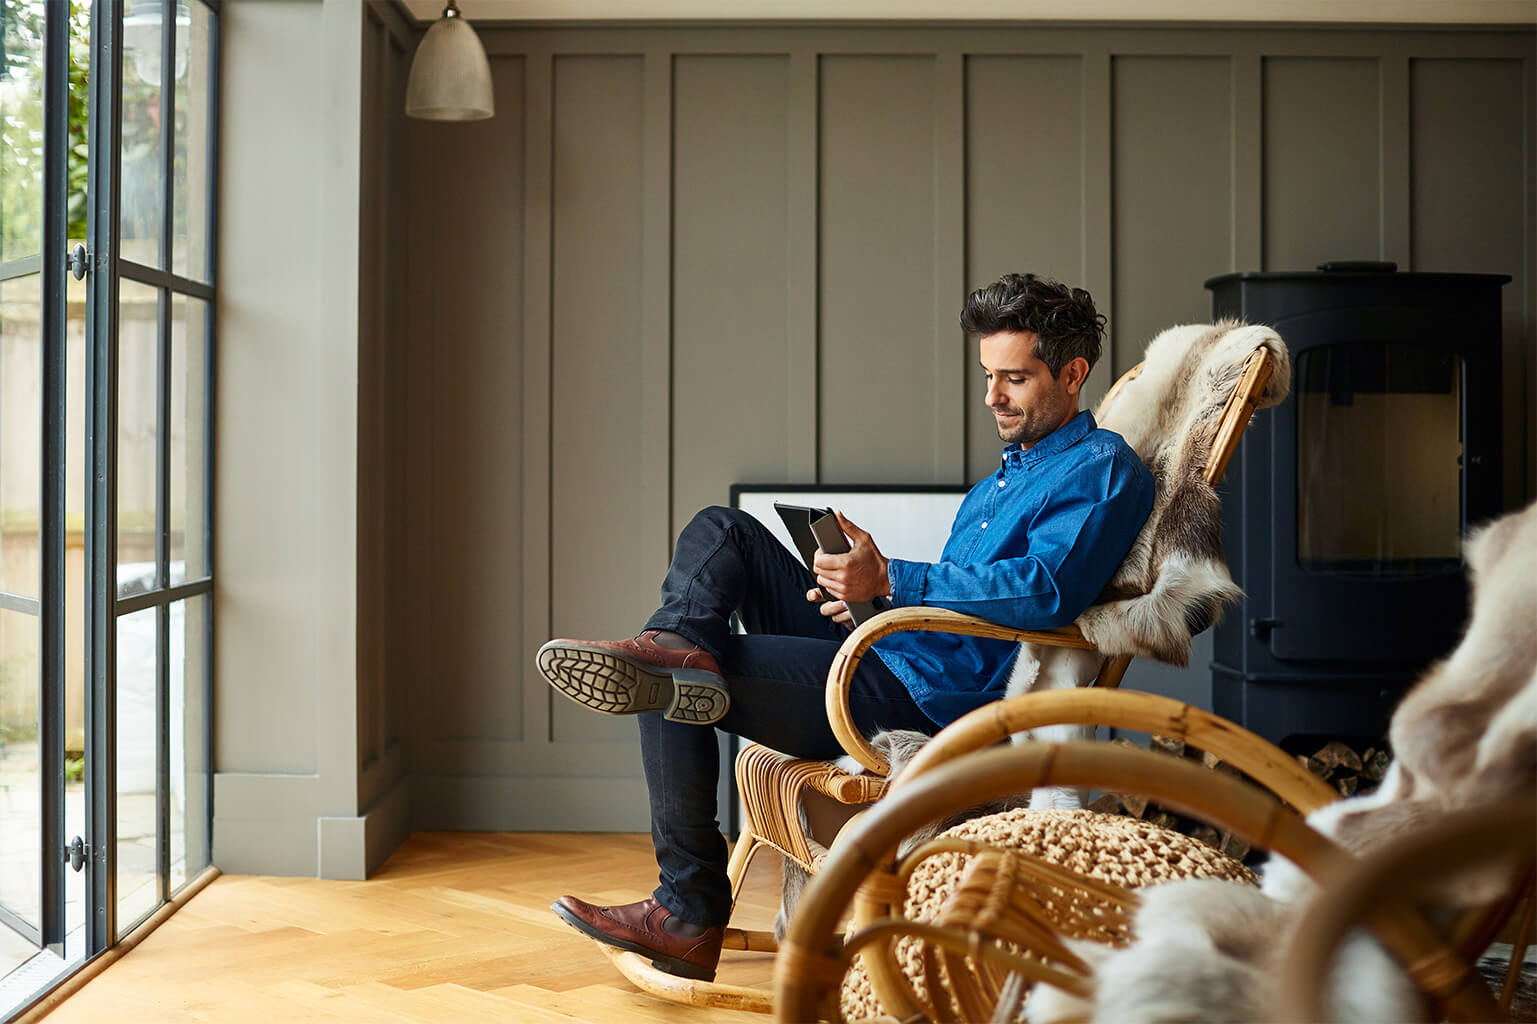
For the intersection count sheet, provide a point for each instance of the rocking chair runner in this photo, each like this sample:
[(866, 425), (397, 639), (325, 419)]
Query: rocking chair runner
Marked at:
[(773, 786)]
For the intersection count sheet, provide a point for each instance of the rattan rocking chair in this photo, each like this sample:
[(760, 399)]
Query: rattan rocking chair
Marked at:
[(774, 786), (975, 949)]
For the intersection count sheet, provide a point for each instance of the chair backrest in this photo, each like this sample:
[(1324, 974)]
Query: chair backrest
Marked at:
[(1257, 371)]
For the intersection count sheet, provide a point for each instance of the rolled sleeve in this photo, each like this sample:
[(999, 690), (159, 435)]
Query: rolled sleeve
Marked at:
[(909, 581)]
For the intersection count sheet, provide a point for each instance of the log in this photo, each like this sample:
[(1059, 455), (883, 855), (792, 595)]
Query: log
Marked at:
[(1216, 764), (1374, 765), (1336, 755)]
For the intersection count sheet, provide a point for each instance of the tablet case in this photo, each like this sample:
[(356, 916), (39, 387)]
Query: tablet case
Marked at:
[(817, 528)]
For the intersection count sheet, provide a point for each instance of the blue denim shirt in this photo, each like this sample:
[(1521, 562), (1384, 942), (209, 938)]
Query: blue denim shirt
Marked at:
[(1032, 546)]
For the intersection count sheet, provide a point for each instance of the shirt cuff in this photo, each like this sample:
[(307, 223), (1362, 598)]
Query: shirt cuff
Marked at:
[(908, 581)]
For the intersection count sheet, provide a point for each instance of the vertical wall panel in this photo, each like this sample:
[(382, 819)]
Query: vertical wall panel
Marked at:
[(1172, 150), (1322, 163), (596, 367), (373, 128), (1024, 194), (1466, 139), (401, 494), (877, 404), (731, 363), (476, 192)]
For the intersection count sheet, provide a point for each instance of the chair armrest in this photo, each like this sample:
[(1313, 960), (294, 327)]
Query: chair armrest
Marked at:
[(903, 620), (1263, 761)]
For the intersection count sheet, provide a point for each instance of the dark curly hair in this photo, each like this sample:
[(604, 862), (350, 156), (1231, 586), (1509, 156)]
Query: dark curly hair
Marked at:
[(1063, 319)]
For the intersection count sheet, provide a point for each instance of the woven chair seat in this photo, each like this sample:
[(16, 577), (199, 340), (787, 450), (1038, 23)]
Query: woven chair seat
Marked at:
[(1122, 851)]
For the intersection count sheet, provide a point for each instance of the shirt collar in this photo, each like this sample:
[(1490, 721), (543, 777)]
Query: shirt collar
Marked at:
[(1065, 436)]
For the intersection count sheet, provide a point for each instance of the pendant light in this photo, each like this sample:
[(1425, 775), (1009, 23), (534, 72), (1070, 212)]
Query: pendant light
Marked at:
[(450, 78)]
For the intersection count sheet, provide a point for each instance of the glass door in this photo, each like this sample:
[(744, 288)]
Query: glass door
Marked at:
[(108, 116), (35, 153)]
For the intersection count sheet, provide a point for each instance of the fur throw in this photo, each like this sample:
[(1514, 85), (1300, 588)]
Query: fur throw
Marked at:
[(1174, 582), (1465, 735), (1210, 950)]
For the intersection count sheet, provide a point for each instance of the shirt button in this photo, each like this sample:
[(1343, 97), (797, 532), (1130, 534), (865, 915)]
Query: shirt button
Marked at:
[(984, 524), (1002, 483)]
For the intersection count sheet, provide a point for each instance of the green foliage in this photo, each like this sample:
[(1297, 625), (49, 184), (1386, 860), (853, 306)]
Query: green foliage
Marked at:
[(21, 132), (21, 122)]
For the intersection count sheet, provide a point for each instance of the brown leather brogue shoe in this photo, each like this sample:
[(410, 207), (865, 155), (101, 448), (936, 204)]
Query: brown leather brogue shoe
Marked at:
[(625, 677), (641, 928)]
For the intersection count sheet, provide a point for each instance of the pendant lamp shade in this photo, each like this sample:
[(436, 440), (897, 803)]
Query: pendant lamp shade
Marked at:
[(450, 78)]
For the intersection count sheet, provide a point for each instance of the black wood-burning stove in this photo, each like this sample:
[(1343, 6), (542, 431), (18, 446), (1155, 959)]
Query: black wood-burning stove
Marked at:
[(1345, 507)]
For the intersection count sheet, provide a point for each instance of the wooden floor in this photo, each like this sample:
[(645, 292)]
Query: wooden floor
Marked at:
[(455, 927)]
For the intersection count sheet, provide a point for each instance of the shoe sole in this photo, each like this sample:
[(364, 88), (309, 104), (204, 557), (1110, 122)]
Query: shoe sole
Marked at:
[(662, 962), (600, 679)]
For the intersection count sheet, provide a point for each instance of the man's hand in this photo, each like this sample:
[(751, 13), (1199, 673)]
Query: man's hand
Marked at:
[(835, 610), (859, 575)]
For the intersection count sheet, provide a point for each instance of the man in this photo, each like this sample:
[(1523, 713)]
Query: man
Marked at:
[(1031, 547)]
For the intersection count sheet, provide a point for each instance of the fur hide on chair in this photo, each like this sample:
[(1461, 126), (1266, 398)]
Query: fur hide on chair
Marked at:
[(1174, 582), (1464, 736)]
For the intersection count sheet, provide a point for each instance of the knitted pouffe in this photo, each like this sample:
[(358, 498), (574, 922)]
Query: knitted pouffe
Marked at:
[(1112, 848)]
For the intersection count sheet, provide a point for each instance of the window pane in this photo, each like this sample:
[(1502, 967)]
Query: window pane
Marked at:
[(189, 190), (1379, 459), (21, 438), (21, 785), (21, 143), (189, 749), (137, 436), (137, 891), (143, 202), (189, 353)]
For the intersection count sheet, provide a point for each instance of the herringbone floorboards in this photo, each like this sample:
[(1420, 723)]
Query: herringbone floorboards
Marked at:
[(455, 927)]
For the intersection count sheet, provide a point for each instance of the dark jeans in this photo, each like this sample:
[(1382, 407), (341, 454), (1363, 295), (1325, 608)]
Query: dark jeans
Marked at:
[(726, 561)]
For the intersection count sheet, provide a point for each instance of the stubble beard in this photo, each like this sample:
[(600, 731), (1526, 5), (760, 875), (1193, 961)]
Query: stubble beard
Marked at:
[(1033, 426)]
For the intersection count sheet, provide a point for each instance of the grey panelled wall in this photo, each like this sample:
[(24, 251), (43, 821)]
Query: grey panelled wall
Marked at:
[(680, 257)]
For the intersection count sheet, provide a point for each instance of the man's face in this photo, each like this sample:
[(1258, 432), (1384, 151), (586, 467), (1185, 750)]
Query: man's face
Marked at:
[(1027, 401)]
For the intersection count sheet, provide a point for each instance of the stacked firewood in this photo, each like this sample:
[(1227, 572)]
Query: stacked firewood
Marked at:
[(1336, 763), (1352, 774)]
